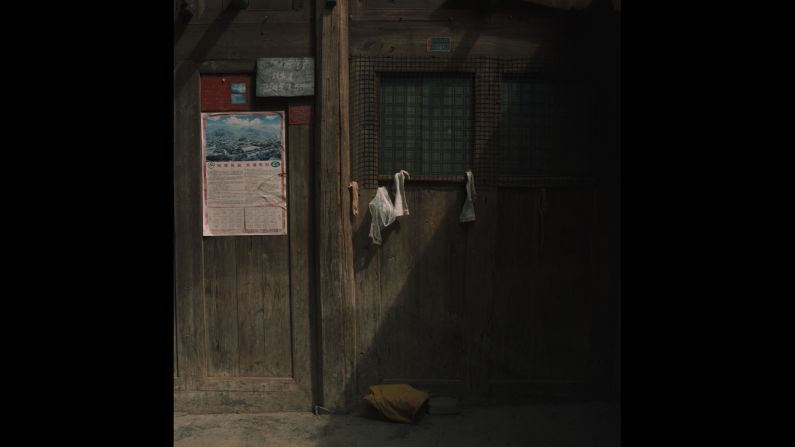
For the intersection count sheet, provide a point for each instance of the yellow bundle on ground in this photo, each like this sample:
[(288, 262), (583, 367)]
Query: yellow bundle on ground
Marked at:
[(398, 402)]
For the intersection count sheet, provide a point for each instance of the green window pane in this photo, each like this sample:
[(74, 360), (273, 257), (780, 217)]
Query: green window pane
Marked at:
[(425, 122)]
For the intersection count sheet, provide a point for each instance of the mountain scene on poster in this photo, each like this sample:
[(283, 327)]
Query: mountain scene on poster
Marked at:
[(243, 137)]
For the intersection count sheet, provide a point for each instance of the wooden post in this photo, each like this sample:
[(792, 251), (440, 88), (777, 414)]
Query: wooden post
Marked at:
[(335, 249), (188, 242)]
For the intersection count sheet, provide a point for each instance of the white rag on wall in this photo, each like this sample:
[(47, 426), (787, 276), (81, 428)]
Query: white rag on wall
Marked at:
[(383, 212), (401, 207), (468, 211)]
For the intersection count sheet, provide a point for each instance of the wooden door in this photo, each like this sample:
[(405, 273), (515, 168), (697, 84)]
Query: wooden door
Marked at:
[(498, 308), (242, 303)]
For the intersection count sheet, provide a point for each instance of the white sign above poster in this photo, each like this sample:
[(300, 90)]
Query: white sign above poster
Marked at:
[(292, 76)]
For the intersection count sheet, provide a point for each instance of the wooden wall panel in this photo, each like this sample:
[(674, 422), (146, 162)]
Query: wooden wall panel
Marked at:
[(263, 308), (243, 303), (419, 5), (542, 299), (174, 351), (188, 243), (410, 289), (254, 353), (220, 296), (367, 274), (526, 304), (536, 38), (258, 11), (480, 10), (223, 40), (302, 257), (266, 5)]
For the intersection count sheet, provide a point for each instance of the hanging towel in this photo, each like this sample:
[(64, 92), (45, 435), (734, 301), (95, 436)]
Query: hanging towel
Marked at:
[(401, 207), (468, 211), (382, 213)]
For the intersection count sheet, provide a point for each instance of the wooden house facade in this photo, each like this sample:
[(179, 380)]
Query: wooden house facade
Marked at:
[(522, 303)]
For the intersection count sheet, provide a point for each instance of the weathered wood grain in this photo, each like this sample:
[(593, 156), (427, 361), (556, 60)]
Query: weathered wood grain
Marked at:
[(265, 364), (479, 290), (258, 11), (394, 38), (543, 288), (410, 293), (263, 306), (174, 347), (368, 293), (335, 268), (301, 256), (397, 337), (448, 10), (221, 41), (188, 243), (220, 295)]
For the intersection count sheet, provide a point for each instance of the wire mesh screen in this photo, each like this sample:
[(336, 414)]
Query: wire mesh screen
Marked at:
[(525, 133), (426, 124), (508, 120)]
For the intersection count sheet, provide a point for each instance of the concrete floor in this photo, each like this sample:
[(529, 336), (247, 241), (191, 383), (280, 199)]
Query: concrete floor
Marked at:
[(552, 425)]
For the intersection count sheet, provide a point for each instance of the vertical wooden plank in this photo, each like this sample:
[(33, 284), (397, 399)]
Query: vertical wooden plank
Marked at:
[(399, 324), (263, 306), (567, 306), (220, 292), (367, 268), (301, 258), (604, 367), (481, 238), (335, 269), (516, 270), (479, 291), (542, 309), (251, 297), (349, 300), (415, 332), (174, 351), (440, 270), (191, 348), (275, 300)]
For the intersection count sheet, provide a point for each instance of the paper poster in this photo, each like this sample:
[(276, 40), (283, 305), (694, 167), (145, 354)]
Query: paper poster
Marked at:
[(244, 174)]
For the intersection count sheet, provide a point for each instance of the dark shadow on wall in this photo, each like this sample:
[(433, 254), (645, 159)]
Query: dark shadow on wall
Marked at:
[(202, 48)]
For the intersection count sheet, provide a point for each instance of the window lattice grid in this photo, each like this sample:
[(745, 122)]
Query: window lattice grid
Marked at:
[(426, 124), (375, 151), (526, 141)]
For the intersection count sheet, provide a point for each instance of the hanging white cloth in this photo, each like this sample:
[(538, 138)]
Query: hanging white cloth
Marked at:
[(401, 207), (382, 214), (468, 211), (382, 211)]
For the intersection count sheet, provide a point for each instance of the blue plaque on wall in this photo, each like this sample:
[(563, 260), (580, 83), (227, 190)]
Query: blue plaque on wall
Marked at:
[(440, 44)]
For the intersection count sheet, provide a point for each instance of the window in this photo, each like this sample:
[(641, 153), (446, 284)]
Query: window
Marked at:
[(545, 127), (525, 136), (425, 124), (519, 122)]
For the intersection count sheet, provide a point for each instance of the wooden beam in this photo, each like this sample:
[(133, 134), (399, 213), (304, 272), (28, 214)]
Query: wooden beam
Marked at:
[(188, 227), (335, 249)]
